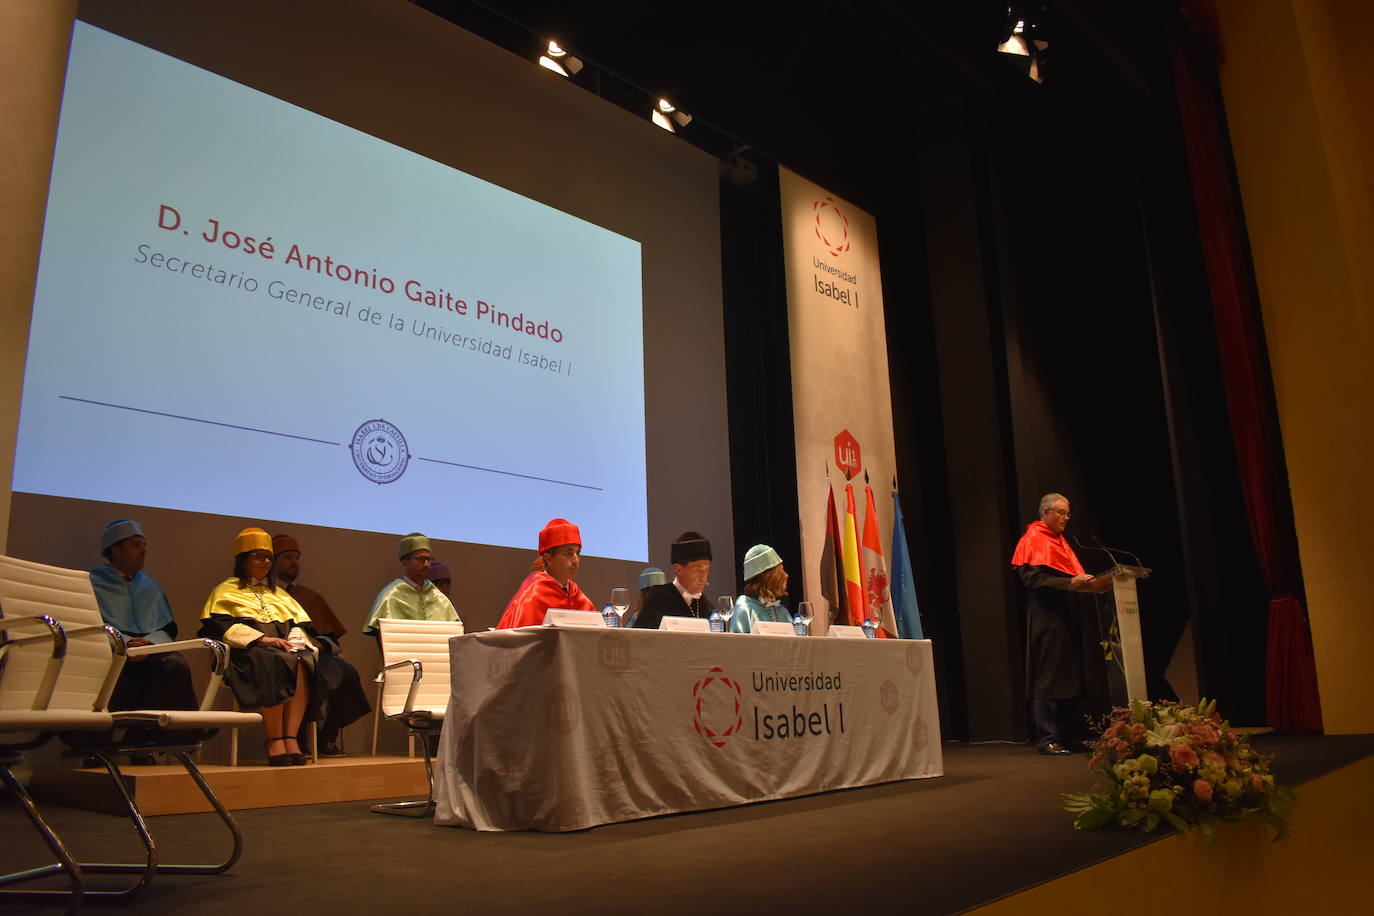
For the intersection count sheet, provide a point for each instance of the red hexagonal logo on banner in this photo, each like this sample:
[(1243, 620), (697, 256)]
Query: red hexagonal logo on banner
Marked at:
[(717, 711), (847, 453)]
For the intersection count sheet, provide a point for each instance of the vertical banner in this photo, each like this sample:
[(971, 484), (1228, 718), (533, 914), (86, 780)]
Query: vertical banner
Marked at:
[(841, 399)]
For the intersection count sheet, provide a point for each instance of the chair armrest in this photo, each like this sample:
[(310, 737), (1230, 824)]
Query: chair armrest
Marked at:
[(55, 633), (47, 683), (218, 663), (213, 645), (417, 671)]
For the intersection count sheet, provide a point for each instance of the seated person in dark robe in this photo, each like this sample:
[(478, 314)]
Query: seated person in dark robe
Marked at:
[(442, 577), (1061, 665), (272, 658), (691, 558), (649, 577), (136, 606), (343, 700)]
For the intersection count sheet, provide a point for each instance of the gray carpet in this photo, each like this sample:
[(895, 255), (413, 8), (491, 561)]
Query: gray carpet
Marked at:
[(989, 828)]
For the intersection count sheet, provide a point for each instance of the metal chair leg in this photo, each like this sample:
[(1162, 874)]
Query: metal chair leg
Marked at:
[(376, 719), (152, 867), (144, 870), (228, 820), (65, 861), (413, 808)]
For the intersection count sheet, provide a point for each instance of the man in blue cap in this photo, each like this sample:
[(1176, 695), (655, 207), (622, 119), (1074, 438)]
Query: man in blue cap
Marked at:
[(136, 606)]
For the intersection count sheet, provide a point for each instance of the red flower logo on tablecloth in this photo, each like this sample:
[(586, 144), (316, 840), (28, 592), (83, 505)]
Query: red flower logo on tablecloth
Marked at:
[(716, 700)]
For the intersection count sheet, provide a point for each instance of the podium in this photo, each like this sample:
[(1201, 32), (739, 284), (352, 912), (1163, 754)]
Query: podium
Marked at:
[(1126, 676)]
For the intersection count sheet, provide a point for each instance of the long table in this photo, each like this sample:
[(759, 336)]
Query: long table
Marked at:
[(565, 728)]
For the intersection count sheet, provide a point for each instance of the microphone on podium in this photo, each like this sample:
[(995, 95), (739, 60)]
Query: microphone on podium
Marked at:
[(1079, 541), (1118, 550)]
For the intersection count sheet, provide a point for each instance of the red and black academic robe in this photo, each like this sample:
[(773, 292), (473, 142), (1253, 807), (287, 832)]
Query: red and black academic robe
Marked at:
[(539, 592), (1063, 655)]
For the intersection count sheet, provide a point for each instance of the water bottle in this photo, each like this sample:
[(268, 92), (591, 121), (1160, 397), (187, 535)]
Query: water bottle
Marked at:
[(717, 622), (797, 626), (870, 627), (609, 615)]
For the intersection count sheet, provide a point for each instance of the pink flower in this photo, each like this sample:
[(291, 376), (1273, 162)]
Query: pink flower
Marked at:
[(1203, 734), (1183, 757), (1202, 789), (1256, 783), (1137, 732)]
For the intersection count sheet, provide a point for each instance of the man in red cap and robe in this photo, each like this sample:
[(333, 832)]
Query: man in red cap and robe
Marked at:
[(560, 546), (1059, 648)]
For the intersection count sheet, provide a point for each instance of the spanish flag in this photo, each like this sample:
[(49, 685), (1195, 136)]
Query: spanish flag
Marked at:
[(849, 548)]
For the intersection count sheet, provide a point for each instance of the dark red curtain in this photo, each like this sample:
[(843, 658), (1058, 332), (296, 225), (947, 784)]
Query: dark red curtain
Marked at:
[(1292, 704)]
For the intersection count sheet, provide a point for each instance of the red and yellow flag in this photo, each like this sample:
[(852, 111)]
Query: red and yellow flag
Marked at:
[(849, 549)]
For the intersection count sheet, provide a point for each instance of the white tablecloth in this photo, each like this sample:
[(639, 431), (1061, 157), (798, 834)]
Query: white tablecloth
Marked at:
[(562, 729)]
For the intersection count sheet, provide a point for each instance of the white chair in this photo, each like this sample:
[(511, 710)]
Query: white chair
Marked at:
[(59, 662), (418, 648)]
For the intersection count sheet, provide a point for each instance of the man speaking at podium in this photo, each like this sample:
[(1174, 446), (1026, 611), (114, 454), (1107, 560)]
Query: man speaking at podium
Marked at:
[(1060, 652)]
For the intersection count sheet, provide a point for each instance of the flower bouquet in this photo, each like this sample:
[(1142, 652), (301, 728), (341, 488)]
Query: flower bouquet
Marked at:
[(1178, 764)]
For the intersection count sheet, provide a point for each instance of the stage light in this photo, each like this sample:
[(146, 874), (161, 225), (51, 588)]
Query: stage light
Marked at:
[(559, 61), (665, 114), (1024, 39), (1015, 42)]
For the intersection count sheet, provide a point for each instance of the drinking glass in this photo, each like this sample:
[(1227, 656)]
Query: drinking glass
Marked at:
[(726, 604), (620, 600), (804, 612)]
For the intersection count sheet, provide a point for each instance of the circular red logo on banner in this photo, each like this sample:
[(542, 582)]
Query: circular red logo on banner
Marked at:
[(832, 226), (716, 703)]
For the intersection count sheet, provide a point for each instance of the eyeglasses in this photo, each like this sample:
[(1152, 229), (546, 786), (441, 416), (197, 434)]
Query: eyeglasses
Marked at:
[(260, 556), (1063, 512)]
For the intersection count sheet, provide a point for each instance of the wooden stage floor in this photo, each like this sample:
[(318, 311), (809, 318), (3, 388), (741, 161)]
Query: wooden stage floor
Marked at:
[(167, 789)]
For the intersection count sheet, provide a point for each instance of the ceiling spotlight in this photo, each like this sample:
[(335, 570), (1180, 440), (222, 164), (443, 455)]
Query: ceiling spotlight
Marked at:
[(559, 61), (1015, 42), (1025, 40), (661, 119), (665, 111)]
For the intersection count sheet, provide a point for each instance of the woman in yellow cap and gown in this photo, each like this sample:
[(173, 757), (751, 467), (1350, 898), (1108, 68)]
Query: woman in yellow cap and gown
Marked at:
[(272, 663)]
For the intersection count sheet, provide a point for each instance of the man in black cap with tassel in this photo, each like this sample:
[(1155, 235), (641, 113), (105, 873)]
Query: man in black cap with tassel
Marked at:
[(691, 556)]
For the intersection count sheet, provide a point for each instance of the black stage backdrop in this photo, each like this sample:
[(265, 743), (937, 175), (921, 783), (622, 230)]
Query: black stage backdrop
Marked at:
[(1048, 321)]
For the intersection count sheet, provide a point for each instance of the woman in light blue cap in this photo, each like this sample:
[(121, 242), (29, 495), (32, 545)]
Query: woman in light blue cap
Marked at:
[(765, 585)]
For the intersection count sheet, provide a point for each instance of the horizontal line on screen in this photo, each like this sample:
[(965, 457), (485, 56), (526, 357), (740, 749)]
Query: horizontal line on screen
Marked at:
[(174, 416), (474, 467)]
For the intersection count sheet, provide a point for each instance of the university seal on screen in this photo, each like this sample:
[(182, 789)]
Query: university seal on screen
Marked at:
[(379, 451)]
